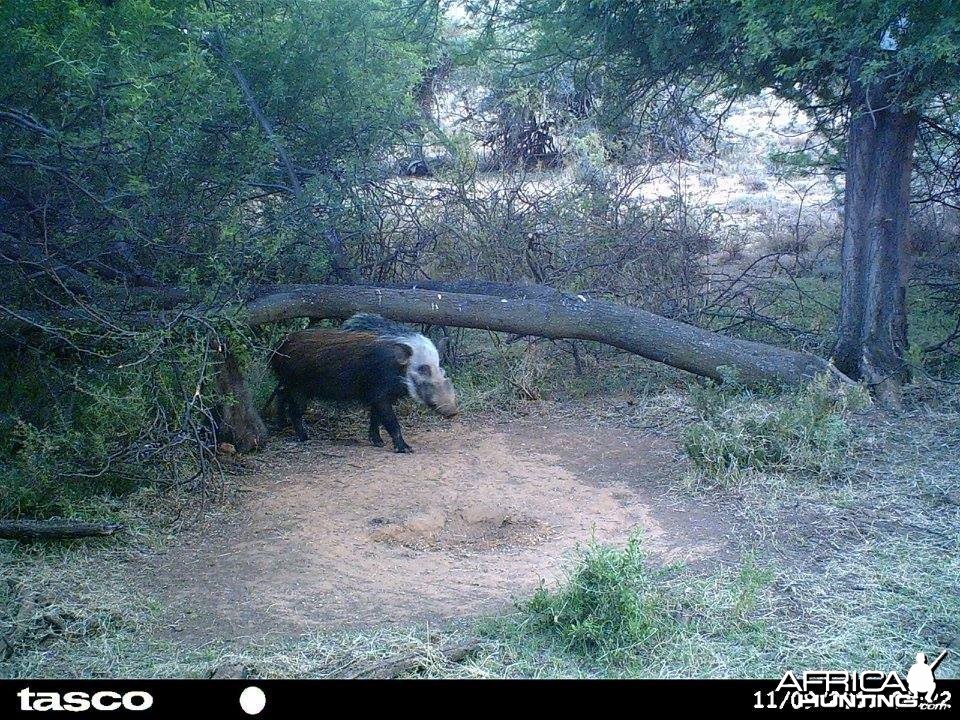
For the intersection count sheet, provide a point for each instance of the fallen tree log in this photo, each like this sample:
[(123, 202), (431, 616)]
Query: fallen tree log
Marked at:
[(671, 342), (401, 665), (53, 529), (513, 291), (517, 291)]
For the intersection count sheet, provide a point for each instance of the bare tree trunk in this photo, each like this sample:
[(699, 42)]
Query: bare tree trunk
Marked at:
[(674, 343), (238, 421), (872, 340)]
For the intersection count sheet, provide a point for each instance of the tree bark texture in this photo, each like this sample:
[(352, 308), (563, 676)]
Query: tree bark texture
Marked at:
[(872, 333), (53, 529), (238, 421)]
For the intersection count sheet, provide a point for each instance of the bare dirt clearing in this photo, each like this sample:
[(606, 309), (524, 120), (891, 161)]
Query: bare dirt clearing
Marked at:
[(336, 534)]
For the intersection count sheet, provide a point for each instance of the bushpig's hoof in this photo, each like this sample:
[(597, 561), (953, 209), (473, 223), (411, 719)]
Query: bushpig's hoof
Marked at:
[(404, 449)]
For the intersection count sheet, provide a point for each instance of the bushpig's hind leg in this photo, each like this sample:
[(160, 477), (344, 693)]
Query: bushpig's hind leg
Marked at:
[(389, 420), (284, 414), (375, 422), (295, 409)]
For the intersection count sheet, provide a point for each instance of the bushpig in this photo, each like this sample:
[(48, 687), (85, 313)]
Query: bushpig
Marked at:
[(359, 366)]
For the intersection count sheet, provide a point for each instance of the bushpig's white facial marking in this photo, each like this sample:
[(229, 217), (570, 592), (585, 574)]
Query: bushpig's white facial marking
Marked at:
[(422, 353), (425, 379)]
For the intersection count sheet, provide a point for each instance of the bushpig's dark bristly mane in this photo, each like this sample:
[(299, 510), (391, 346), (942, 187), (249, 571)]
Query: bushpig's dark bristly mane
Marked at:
[(378, 325)]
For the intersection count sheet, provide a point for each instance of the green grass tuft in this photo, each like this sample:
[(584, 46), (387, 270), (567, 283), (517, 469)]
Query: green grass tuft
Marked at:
[(804, 431), (611, 605)]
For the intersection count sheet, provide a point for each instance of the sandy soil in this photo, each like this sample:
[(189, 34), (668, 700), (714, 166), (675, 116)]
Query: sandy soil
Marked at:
[(334, 534)]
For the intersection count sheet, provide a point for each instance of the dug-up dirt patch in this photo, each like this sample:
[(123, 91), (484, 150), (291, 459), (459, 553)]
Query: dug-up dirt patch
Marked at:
[(334, 534), (477, 527)]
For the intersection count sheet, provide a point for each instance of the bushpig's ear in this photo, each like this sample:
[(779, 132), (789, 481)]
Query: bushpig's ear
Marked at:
[(403, 352)]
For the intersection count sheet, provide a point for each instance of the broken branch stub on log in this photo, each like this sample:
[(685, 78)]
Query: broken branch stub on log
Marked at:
[(671, 342)]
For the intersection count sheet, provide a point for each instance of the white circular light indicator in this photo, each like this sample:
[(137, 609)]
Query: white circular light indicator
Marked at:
[(252, 700)]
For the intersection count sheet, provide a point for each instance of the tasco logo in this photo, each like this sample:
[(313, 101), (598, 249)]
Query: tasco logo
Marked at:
[(82, 702)]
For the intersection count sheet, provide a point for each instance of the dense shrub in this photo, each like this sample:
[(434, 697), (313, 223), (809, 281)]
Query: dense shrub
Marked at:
[(610, 605), (136, 180)]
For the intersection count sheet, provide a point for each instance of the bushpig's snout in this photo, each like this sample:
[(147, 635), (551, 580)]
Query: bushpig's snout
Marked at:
[(449, 412), (445, 400)]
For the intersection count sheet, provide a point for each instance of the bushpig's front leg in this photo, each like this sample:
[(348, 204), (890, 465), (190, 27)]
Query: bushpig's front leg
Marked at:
[(375, 422), (389, 420), (295, 410)]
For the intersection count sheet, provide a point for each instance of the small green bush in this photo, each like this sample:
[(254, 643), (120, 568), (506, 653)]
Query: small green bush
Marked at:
[(611, 606), (803, 431)]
